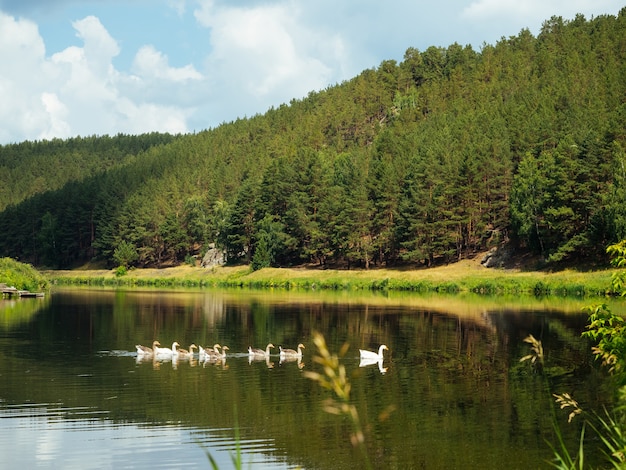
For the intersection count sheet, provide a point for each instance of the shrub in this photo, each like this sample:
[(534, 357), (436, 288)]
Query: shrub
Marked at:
[(21, 276), (121, 271)]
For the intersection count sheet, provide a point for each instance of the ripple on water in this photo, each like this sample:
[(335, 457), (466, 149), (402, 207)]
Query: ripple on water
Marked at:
[(49, 435)]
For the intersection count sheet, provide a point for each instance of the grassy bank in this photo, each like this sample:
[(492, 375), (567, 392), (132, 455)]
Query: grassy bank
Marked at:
[(465, 276), (21, 276)]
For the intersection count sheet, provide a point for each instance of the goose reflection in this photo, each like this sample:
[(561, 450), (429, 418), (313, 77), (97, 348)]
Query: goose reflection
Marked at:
[(176, 360), (188, 355), (216, 361), (150, 359), (296, 359), (144, 358), (268, 362), (365, 362)]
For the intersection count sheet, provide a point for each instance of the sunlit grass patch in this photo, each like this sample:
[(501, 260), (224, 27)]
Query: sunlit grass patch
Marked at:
[(464, 276)]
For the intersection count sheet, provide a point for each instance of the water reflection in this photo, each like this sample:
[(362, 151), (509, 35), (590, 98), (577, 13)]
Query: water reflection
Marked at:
[(217, 361), (16, 311), (297, 359), (365, 362), (45, 436), (461, 397), (267, 359)]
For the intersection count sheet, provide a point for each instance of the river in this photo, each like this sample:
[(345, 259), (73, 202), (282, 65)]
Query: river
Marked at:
[(450, 393)]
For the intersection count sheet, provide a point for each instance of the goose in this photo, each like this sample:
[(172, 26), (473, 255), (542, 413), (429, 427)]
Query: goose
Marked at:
[(187, 354), (216, 359), (203, 354), (290, 353), (259, 353), (145, 351), (167, 352), (215, 355), (223, 354), (371, 355)]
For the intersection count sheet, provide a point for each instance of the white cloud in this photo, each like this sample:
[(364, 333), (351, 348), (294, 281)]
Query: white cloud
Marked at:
[(242, 56), (151, 63), (21, 56), (99, 46), (149, 117), (78, 91), (267, 50), (486, 9), (178, 6), (57, 112), (533, 11), (263, 54)]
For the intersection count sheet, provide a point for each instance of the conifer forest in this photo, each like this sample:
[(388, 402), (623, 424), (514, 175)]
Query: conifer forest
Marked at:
[(450, 152)]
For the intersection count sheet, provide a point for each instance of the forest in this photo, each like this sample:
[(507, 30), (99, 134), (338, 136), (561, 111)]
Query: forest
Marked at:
[(443, 155)]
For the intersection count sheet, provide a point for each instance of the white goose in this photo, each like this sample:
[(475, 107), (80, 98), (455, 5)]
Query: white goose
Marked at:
[(257, 353), (166, 353), (291, 353), (371, 355), (145, 351)]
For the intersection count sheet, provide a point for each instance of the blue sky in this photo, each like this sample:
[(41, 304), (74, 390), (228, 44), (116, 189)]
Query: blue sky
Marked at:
[(85, 67)]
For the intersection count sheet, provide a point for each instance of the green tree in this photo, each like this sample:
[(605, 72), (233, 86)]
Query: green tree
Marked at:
[(175, 238), (531, 188), (350, 223), (450, 145), (240, 227), (48, 240), (262, 256), (387, 174), (196, 219), (270, 242), (125, 254)]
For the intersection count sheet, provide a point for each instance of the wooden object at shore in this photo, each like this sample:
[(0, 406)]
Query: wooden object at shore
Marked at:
[(10, 291)]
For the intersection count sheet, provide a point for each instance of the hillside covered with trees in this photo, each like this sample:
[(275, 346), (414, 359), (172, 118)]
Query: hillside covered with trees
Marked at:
[(450, 152)]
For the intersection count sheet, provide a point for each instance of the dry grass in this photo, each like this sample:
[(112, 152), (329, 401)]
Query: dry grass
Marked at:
[(464, 276)]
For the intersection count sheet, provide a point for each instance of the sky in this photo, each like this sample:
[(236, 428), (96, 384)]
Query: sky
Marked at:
[(96, 67)]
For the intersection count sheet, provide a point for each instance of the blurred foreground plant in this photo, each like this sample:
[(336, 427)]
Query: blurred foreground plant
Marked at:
[(236, 458), (536, 355), (335, 379), (608, 332), (607, 329), (608, 429)]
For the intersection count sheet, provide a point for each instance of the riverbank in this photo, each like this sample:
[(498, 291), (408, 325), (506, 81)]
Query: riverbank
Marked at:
[(464, 276), (19, 279)]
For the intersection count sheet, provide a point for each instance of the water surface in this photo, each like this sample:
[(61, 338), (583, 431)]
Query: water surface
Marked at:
[(451, 392)]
